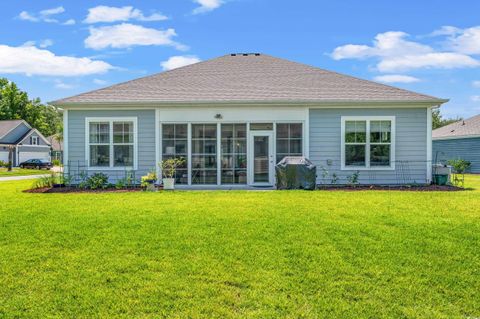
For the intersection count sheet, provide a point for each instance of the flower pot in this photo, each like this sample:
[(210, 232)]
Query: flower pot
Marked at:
[(169, 183)]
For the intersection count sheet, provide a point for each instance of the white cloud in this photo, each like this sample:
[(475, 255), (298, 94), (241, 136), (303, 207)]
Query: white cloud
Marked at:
[(476, 84), (52, 11), (24, 15), (179, 61), (45, 16), (69, 22), (466, 41), (441, 60), (112, 14), (126, 35), (207, 5), (475, 98), (30, 60), (396, 54), (396, 78), (99, 82), (445, 30), (42, 44), (63, 86), (45, 43)]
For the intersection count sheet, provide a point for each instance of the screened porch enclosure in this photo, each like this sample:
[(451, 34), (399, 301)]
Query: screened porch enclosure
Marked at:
[(224, 154)]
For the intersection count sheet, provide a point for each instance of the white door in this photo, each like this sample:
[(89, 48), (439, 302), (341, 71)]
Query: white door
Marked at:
[(261, 167), (25, 156)]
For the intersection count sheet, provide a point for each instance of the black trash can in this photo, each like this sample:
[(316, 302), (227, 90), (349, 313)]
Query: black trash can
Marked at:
[(296, 172)]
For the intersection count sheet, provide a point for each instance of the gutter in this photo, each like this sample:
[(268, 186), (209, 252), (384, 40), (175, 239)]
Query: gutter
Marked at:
[(428, 103)]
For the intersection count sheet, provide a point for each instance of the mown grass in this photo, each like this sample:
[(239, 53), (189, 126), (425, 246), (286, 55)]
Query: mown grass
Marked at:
[(21, 172), (240, 254)]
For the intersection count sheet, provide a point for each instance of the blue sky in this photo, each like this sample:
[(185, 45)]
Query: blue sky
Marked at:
[(54, 49)]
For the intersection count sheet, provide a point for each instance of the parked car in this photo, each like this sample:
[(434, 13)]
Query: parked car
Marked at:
[(36, 163)]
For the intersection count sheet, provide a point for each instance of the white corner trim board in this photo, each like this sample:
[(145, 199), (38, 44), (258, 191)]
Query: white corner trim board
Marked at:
[(429, 145)]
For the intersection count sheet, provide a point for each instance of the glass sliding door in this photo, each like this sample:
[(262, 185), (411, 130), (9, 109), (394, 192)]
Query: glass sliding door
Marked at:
[(175, 145), (234, 154), (204, 154)]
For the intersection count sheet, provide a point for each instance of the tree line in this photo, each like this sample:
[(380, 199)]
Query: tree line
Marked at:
[(16, 105)]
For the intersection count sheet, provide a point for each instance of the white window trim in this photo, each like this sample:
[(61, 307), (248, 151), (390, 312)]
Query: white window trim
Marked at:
[(36, 139), (367, 166), (110, 120)]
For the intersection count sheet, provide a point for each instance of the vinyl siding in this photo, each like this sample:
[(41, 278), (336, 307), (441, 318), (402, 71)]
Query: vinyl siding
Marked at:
[(411, 145), (145, 138), (464, 148)]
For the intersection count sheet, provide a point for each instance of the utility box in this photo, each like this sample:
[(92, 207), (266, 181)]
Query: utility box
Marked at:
[(296, 172)]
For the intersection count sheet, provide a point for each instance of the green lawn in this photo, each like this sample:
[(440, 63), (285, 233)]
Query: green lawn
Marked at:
[(240, 254), (21, 172)]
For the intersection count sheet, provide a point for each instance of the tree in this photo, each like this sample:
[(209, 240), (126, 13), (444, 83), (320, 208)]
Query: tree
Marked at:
[(439, 121), (15, 104)]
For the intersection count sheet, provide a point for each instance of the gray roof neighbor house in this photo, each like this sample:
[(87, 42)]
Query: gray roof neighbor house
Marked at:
[(459, 140), (234, 117), (26, 142)]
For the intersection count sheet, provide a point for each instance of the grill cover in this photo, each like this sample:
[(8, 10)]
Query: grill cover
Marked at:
[(296, 172)]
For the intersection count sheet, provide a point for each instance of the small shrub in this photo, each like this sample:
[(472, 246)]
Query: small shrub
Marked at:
[(45, 181), (353, 179), (97, 180), (169, 167), (56, 162), (3, 164), (150, 178), (120, 183), (334, 180), (459, 166)]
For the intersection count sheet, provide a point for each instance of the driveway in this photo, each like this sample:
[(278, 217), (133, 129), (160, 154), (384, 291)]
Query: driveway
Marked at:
[(19, 178)]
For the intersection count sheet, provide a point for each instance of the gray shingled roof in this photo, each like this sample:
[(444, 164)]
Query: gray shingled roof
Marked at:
[(247, 78), (8, 125), (55, 143), (464, 128)]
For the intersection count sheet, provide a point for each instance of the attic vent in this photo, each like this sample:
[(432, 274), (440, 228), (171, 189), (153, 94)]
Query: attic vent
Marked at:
[(245, 54)]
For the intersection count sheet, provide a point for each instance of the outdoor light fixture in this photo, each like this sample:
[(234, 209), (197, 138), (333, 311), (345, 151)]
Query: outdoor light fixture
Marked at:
[(218, 116)]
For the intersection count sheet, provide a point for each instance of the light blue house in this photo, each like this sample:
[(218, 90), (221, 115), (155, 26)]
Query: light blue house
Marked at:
[(459, 140), (234, 117)]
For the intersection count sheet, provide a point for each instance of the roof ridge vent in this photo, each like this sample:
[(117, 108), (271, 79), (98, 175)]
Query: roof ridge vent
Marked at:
[(245, 54)]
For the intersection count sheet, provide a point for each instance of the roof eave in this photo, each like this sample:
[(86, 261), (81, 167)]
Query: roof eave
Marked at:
[(455, 137), (431, 103)]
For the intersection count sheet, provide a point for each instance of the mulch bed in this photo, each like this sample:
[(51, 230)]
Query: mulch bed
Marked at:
[(419, 188), (81, 190)]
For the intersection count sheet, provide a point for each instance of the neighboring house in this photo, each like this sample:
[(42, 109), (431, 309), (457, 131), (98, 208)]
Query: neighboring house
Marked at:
[(56, 148), (26, 142), (459, 140), (234, 117)]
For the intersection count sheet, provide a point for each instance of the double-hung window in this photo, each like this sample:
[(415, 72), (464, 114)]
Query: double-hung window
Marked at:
[(111, 143), (368, 142), (34, 140)]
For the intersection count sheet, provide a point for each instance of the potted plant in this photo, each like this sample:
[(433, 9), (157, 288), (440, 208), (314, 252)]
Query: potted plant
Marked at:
[(148, 181), (169, 167)]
